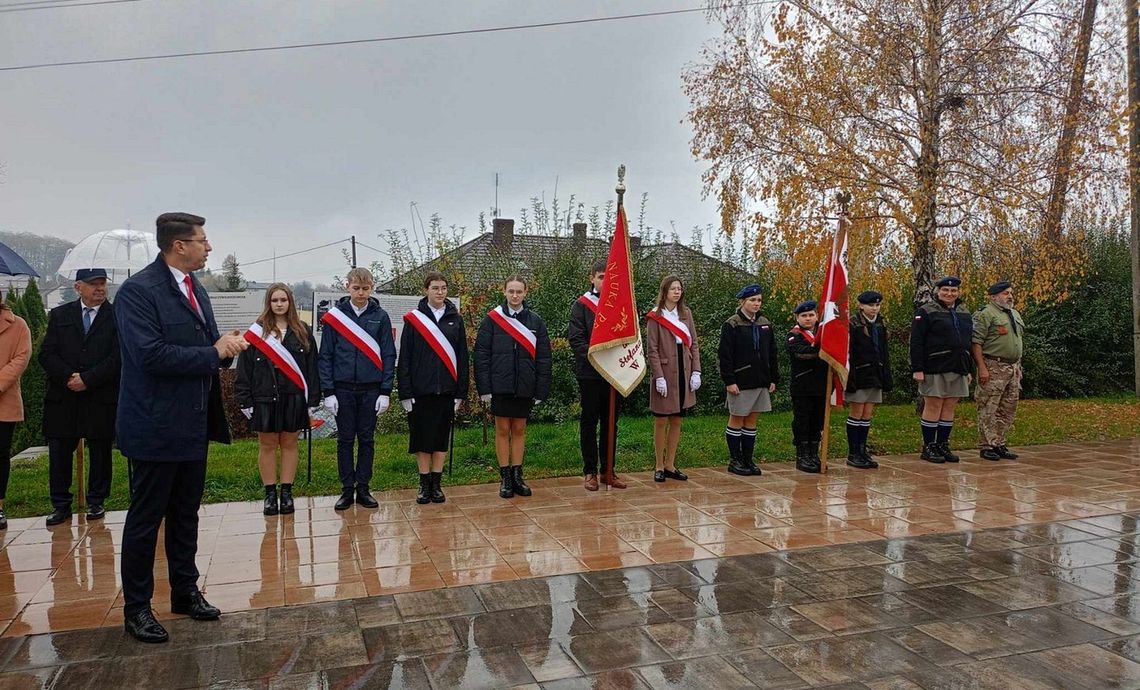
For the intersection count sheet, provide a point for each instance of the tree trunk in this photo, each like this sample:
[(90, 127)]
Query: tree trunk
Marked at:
[(1055, 212), (930, 115), (1132, 25)]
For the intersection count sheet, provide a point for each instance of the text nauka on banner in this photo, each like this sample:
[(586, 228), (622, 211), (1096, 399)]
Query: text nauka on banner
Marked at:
[(282, 359), (353, 333), (515, 328), (674, 326), (435, 339)]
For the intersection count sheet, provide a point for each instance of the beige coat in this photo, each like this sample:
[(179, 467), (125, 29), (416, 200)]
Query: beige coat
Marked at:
[(15, 351), (661, 346)]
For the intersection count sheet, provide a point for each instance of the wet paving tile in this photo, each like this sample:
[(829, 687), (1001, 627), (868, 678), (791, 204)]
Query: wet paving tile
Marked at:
[(845, 659), (520, 626), (949, 602), (696, 674), (495, 667), (614, 650), (437, 603), (548, 661), (410, 639), (746, 595), (846, 616), (1027, 591), (716, 635)]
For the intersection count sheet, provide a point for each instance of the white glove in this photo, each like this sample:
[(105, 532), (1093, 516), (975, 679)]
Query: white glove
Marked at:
[(458, 402), (695, 380), (248, 412), (407, 404), (382, 404), (331, 404), (485, 398), (662, 389), (537, 402)]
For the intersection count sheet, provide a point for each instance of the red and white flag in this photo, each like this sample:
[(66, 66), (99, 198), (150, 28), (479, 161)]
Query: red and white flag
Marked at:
[(615, 344), (282, 359), (833, 334)]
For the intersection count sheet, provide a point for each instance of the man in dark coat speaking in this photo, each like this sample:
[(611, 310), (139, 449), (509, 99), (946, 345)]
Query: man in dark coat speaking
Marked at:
[(170, 408), (80, 357)]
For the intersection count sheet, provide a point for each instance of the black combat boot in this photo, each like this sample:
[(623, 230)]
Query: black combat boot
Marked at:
[(517, 482), (506, 483), (436, 490), (271, 500), (287, 506), (932, 452), (857, 457), (424, 494), (947, 454), (805, 462)]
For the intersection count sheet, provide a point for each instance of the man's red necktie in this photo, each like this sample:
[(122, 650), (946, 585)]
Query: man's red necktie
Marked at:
[(190, 293)]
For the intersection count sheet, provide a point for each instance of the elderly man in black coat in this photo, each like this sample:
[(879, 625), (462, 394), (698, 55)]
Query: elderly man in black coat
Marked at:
[(170, 408), (80, 357)]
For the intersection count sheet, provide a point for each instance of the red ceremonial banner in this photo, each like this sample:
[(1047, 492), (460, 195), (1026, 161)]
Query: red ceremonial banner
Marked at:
[(833, 333)]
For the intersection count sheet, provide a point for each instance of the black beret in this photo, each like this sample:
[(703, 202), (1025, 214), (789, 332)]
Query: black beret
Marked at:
[(809, 305), (999, 287), (749, 291), (949, 281), (89, 274), (869, 297)]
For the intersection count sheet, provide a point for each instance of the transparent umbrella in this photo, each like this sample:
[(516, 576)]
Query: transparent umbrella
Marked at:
[(118, 251)]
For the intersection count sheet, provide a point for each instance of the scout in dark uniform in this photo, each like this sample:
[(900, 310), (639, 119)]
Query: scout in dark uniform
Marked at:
[(512, 374), (432, 379), (748, 367), (808, 387), (868, 378), (997, 347), (940, 361)]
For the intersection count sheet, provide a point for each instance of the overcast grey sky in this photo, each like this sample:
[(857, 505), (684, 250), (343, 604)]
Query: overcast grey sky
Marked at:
[(286, 150)]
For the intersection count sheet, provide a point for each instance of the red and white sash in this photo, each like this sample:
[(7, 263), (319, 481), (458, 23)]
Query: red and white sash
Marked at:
[(808, 335), (674, 326), (515, 329), (591, 301), (435, 338), (282, 359), (353, 333)]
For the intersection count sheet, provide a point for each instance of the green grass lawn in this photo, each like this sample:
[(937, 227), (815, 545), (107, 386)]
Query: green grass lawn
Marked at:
[(552, 449)]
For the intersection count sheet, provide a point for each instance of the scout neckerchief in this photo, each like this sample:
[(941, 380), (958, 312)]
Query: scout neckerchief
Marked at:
[(353, 333), (435, 338), (673, 324), (514, 328), (591, 301), (282, 359)]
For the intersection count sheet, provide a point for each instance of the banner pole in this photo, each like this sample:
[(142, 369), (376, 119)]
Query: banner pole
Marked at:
[(80, 493), (611, 445), (826, 424)]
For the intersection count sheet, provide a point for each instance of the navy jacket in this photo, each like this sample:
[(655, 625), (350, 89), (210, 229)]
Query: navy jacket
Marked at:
[(870, 361), (340, 360), (503, 367), (170, 397), (747, 352)]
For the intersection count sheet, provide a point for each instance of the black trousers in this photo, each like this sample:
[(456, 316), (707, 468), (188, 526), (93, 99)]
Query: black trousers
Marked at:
[(6, 430), (807, 418), (161, 490), (595, 397), (61, 452), (355, 423)]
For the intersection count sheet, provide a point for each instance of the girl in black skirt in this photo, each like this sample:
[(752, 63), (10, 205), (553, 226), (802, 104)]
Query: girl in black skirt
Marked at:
[(276, 407), (432, 379), (512, 372)]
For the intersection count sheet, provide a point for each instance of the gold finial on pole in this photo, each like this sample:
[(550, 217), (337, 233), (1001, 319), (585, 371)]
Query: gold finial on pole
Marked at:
[(620, 189), (843, 199)]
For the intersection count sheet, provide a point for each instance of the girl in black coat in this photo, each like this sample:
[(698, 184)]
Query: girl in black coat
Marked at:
[(275, 406), (432, 380), (940, 361), (869, 377), (512, 373)]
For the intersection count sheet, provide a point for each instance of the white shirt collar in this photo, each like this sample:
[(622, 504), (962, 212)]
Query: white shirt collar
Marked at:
[(438, 313), (179, 276), (355, 309), (94, 310)]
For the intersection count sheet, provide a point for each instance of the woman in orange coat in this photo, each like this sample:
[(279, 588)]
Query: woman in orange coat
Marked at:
[(15, 351), (675, 363)]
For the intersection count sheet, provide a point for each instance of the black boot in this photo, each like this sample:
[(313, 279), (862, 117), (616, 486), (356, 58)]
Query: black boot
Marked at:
[(436, 490), (866, 455), (857, 457), (805, 462), (748, 452), (506, 483), (736, 463), (517, 481), (931, 452), (347, 498), (947, 454), (424, 494), (1005, 453), (271, 500), (287, 499)]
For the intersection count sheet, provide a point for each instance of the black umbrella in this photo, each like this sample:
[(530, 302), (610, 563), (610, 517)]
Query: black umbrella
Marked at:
[(12, 264)]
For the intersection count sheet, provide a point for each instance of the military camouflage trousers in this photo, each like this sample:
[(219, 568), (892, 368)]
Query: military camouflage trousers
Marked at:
[(997, 402)]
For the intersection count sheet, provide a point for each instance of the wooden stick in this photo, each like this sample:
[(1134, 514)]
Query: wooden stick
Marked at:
[(826, 425), (80, 494)]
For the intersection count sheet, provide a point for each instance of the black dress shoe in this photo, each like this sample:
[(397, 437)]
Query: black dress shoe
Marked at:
[(680, 476), (59, 516), (347, 498), (658, 475), (364, 497), (1006, 453), (808, 465), (96, 511), (989, 454), (195, 606), (3, 519), (143, 627)]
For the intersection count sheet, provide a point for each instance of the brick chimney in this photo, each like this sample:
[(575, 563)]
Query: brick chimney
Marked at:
[(579, 232), (634, 244), (503, 234)]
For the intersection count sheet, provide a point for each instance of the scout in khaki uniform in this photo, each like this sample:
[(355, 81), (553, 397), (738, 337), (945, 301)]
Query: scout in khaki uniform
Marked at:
[(997, 347)]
